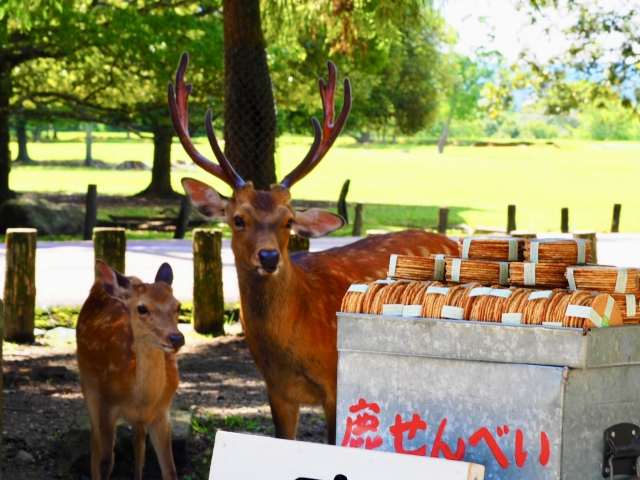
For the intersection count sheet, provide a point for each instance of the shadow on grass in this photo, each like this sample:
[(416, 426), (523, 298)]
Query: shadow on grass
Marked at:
[(400, 217)]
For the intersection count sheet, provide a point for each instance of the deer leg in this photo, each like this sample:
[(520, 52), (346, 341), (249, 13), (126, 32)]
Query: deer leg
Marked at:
[(285, 416), (103, 435), (139, 437), (105, 439), (160, 433), (330, 415)]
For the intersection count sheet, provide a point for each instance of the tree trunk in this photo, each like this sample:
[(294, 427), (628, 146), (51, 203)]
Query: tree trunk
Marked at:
[(160, 185), (88, 159), (55, 131), (36, 133), (21, 133), (249, 107), (5, 94), (445, 133)]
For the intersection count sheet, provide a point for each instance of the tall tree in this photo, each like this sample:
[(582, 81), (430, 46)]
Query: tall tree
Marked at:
[(463, 81), (121, 77), (396, 78), (604, 50), (28, 31), (348, 25)]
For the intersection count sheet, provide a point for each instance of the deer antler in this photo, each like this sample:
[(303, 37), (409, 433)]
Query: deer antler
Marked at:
[(180, 118), (325, 137)]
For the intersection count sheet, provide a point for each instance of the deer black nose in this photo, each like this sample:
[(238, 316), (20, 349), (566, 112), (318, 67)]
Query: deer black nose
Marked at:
[(269, 259), (177, 340)]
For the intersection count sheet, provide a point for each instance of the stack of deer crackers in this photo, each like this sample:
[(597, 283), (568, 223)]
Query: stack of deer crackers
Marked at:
[(505, 280)]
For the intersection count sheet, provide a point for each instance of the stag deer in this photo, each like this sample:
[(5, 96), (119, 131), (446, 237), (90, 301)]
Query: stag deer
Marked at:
[(127, 339), (289, 302)]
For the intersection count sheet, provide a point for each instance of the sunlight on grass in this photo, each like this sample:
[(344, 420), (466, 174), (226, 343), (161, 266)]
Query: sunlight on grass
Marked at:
[(477, 183)]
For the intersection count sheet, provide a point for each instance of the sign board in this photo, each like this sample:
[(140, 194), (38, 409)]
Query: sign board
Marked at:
[(241, 457)]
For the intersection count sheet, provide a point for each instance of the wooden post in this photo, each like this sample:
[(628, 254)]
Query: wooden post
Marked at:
[(208, 296), (564, 220), (589, 235), (110, 246), (183, 219), (511, 218), (20, 285), (342, 201), (615, 223), (298, 243), (91, 211), (358, 222), (443, 219)]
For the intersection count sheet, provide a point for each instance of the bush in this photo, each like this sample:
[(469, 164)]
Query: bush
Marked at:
[(608, 121), (508, 129), (47, 217), (539, 129)]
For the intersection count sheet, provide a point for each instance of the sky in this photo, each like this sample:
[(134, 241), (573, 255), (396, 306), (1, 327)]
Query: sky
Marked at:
[(511, 29), (477, 20)]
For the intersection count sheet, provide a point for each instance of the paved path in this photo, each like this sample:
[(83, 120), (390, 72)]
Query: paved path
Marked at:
[(64, 270)]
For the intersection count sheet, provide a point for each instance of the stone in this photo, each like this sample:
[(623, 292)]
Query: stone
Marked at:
[(25, 458), (63, 334), (75, 455), (47, 217)]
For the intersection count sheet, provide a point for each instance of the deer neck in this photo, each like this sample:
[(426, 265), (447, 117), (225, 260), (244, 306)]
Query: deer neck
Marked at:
[(264, 297), (150, 374)]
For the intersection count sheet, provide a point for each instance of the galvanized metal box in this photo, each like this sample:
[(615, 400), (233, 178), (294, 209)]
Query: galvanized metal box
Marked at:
[(528, 402)]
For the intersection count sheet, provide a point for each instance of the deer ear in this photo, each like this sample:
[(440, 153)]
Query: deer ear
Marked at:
[(115, 284), (165, 274), (316, 223), (206, 200)]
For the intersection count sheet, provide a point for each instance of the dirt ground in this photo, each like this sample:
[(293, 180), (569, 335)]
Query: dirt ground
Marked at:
[(219, 381)]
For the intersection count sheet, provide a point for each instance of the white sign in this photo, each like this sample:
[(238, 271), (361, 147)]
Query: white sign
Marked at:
[(247, 457)]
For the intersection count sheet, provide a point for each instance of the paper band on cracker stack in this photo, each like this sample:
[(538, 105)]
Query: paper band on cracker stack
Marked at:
[(354, 298), (489, 304), (485, 272), (582, 309), (526, 307), (457, 304), (557, 250), (540, 275), (433, 300), (604, 279), (491, 248), (628, 305), (416, 268)]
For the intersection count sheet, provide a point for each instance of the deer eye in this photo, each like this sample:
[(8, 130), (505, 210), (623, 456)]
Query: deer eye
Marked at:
[(289, 224), (238, 221), (142, 310)]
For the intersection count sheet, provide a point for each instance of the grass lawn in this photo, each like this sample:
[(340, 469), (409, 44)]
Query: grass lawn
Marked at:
[(477, 183)]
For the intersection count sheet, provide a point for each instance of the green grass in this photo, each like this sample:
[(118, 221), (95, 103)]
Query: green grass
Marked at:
[(476, 183), (67, 316)]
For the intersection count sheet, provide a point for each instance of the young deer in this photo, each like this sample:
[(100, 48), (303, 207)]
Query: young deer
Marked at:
[(289, 302), (127, 338)]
